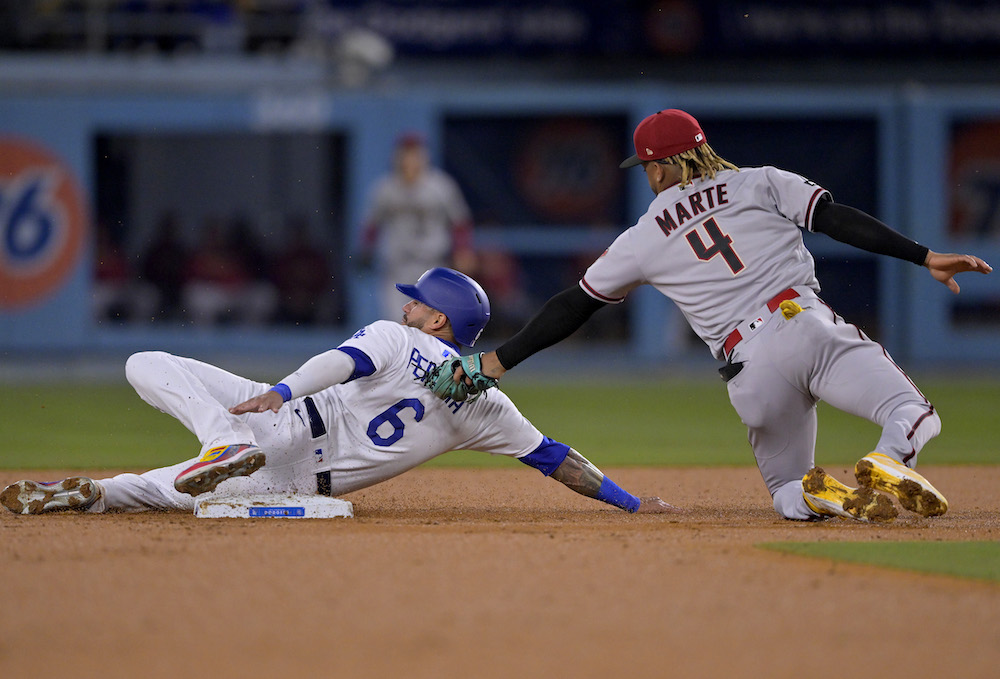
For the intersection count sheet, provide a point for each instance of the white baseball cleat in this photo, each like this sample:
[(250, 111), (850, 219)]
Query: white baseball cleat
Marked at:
[(915, 493), (34, 497), (217, 465), (826, 495)]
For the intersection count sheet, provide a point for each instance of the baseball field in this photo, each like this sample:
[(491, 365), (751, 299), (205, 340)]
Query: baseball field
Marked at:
[(480, 567)]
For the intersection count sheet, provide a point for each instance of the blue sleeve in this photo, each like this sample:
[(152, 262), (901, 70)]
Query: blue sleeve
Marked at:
[(282, 389), (363, 366), (547, 457), (614, 495)]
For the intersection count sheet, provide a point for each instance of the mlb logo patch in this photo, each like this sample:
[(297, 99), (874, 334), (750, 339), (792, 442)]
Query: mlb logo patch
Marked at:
[(756, 323)]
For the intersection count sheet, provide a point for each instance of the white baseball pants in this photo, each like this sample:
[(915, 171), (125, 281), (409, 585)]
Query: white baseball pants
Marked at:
[(199, 395)]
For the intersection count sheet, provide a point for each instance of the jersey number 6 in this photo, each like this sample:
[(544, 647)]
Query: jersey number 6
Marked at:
[(391, 415), (721, 245)]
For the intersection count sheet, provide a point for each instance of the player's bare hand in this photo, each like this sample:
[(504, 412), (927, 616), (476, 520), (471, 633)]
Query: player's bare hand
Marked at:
[(944, 267), (654, 505), (269, 400)]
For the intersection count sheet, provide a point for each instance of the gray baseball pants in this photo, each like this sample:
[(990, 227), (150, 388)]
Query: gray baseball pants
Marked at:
[(790, 364)]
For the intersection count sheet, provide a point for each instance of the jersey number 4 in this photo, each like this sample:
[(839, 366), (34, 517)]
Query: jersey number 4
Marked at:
[(722, 244)]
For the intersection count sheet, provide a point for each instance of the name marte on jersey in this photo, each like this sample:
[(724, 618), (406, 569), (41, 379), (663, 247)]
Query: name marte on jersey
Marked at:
[(690, 206)]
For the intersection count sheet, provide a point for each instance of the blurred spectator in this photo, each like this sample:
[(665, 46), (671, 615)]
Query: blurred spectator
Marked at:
[(501, 277), (417, 219), (302, 275), (163, 266), (221, 285), (115, 294), (246, 245)]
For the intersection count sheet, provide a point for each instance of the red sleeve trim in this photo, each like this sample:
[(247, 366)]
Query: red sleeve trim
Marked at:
[(596, 295), (812, 206)]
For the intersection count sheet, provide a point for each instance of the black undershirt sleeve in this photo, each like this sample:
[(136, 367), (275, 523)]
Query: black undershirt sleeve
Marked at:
[(567, 311), (558, 318), (854, 227)]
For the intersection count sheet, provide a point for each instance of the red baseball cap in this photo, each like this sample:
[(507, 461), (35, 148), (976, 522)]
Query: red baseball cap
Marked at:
[(664, 134), (409, 139)]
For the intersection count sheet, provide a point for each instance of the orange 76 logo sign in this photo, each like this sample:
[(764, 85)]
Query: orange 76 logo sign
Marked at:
[(43, 222)]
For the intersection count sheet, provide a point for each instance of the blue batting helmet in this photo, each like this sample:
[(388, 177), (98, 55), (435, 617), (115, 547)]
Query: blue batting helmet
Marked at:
[(457, 296)]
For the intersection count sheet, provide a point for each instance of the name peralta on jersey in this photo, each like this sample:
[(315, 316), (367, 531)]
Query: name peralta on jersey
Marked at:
[(719, 248), (386, 423)]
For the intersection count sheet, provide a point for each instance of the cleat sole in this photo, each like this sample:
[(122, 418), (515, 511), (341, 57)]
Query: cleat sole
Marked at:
[(825, 495), (32, 497), (208, 479), (914, 492)]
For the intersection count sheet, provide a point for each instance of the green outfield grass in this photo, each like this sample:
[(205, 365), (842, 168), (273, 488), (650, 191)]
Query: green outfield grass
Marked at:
[(615, 423), (976, 560)]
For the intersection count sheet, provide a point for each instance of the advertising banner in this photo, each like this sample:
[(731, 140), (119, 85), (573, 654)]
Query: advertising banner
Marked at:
[(43, 223)]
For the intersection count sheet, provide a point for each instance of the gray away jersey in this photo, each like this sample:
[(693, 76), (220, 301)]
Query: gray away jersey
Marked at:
[(719, 248), (416, 220)]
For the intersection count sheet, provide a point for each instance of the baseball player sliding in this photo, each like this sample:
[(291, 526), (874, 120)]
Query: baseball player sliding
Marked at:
[(724, 243), (347, 419)]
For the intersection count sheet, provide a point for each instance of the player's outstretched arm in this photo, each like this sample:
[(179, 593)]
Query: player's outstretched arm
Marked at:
[(492, 366), (854, 227), (579, 474), (318, 373), (944, 267), (558, 318)]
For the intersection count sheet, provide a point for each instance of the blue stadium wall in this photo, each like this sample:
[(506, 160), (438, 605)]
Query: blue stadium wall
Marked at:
[(890, 151)]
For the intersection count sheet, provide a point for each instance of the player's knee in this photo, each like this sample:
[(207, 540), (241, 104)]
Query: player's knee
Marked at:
[(933, 424), (790, 504), (138, 366)]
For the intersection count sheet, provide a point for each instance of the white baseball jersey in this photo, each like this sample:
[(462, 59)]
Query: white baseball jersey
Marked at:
[(385, 423), (378, 425), (719, 248)]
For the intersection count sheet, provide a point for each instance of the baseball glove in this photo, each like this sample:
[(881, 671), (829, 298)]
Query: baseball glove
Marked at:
[(441, 379)]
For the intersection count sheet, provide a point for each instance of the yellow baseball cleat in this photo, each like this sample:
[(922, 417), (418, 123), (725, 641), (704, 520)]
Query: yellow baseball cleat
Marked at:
[(826, 495), (915, 493)]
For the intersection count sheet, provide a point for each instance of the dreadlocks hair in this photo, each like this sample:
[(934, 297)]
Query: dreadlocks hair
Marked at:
[(700, 161)]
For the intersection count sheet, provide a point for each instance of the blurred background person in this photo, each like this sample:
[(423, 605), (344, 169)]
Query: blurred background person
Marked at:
[(301, 273), (417, 219), (163, 266), (116, 295), (223, 285)]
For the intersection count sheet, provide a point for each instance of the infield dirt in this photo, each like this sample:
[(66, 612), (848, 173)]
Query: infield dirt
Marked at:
[(495, 573)]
